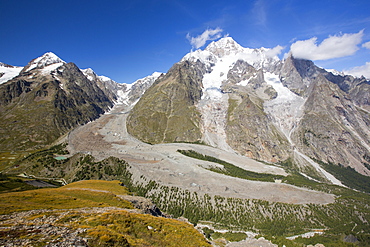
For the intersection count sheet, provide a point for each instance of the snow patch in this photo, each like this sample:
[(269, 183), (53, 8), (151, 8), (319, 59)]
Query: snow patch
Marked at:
[(104, 78), (212, 81), (219, 57), (245, 82), (286, 111), (205, 57), (122, 96), (228, 47), (306, 235), (335, 72), (89, 77), (9, 73), (48, 69)]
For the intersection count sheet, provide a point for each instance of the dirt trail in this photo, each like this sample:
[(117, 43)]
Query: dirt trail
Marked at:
[(107, 136)]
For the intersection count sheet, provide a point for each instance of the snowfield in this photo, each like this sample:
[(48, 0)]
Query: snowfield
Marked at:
[(9, 73)]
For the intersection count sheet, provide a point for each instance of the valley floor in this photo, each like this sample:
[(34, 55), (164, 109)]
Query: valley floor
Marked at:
[(107, 136)]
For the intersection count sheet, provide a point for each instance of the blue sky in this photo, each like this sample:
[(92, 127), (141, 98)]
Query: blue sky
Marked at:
[(127, 40)]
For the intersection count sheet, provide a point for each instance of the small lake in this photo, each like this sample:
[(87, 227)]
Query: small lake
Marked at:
[(60, 158)]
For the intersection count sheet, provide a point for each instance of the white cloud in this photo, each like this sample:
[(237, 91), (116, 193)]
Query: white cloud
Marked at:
[(359, 71), (366, 45), (274, 51), (200, 40), (332, 47)]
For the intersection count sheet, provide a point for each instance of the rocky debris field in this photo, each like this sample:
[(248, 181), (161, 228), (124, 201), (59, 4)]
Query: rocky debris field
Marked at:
[(107, 136)]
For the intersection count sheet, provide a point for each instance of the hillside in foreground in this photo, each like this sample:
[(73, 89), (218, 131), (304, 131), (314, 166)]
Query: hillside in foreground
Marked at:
[(89, 213), (346, 216)]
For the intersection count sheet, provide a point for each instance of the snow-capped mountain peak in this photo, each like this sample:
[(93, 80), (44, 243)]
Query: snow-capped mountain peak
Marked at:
[(228, 49), (89, 73), (45, 60), (6, 65), (224, 46), (130, 93), (146, 81), (220, 56)]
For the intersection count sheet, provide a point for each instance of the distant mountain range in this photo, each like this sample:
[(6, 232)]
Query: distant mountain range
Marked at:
[(238, 99)]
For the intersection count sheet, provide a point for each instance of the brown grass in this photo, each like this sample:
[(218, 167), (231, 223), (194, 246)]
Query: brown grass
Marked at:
[(92, 193)]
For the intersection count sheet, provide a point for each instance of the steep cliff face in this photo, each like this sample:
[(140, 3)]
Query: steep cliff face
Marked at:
[(249, 128), (358, 89), (46, 99), (334, 124), (251, 132), (297, 74), (333, 129), (166, 112), (107, 85)]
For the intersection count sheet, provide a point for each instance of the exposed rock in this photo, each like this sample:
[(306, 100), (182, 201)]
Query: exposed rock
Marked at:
[(251, 132), (252, 242), (296, 74), (350, 239), (107, 85), (144, 204), (166, 112), (133, 92), (332, 129)]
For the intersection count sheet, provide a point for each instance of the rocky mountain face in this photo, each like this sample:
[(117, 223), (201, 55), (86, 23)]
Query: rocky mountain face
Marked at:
[(251, 102), (166, 112), (129, 94), (238, 99), (107, 85), (46, 99)]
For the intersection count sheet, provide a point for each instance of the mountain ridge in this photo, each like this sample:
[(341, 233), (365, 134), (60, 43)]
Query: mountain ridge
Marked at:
[(230, 74), (46, 99), (238, 99)]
